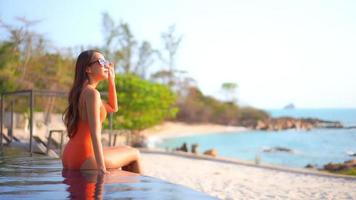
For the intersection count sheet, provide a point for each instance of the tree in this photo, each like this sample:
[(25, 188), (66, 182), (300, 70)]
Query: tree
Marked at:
[(25, 43), (171, 44), (145, 59), (129, 55), (9, 61), (230, 91), (25, 63), (141, 103)]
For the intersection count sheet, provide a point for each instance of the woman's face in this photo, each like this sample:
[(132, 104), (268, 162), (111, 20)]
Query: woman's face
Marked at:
[(98, 67)]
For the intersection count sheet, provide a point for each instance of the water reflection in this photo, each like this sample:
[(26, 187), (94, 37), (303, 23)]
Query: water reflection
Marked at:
[(89, 184)]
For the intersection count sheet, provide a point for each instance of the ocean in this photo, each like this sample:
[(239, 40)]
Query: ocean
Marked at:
[(316, 147)]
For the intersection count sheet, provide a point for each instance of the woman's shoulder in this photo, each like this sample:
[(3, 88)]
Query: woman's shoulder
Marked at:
[(90, 92)]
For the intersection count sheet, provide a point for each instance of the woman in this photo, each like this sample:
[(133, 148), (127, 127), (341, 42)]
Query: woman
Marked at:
[(84, 116)]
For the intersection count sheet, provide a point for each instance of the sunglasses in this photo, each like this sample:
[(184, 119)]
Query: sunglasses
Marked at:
[(102, 62)]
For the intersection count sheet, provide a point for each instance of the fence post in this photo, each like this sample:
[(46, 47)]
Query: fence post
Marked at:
[(11, 130), (110, 126), (32, 99), (1, 118)]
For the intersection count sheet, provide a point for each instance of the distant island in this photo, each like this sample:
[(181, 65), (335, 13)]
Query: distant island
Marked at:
[(289, 106)]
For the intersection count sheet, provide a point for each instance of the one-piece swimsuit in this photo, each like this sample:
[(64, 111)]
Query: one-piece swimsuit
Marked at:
[(80, 147)]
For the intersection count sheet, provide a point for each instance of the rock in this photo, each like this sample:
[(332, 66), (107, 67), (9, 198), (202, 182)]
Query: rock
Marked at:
[(282, 123), (139, 144), (211, 152), (261, 125), (283, 149), (278, 149), (350, 153), (340, 166), (289, 106), (310, 166), (333, 167), (249, 123), (183, 147), (350, 127), (139, 141), (195, 148), (350, 163)]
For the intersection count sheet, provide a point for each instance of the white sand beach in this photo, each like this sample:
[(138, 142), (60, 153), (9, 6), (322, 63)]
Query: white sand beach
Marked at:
[(231, 180), (178, 129), (236, 181)]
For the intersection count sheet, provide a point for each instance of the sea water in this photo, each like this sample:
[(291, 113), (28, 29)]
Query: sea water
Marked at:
[(317, 146)]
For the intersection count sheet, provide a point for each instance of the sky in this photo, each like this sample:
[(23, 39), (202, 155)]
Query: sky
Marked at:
[(278, 51)]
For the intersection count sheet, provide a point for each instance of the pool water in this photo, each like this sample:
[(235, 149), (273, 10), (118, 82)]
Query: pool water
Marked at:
[(23, 176)]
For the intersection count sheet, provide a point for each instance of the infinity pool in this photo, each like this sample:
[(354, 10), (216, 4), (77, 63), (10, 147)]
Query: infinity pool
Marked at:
[(40, 177)]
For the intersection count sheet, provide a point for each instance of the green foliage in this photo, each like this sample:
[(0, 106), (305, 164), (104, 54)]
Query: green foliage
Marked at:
[(229, 86), (351, 172), (9, 59), (26, 64), (248, 116), (230, 91), (141, 103), (247, 113), (197, 108)]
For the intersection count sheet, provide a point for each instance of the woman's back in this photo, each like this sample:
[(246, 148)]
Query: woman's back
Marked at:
[(80, 147), (83, 110)]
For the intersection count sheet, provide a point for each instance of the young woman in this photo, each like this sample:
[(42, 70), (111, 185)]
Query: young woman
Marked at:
[(84, 116)]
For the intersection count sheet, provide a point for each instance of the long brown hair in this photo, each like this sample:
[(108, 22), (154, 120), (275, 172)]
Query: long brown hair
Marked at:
[(71, 114)]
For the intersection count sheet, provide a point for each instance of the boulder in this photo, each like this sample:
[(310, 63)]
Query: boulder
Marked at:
[(211, 152), (183, 148), (278, 149), (195, 148), (310, 166), (261, 125), (350, 163)]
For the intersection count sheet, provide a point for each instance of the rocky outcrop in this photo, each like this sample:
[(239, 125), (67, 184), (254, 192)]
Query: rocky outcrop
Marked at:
[(195, 148), (352, 154), (211, 152), (289, 106), (282, 123), (310, 166), (278, 149), (183, 148), (335, 167)]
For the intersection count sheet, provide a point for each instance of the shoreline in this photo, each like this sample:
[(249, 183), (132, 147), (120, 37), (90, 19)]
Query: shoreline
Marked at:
[(170, 129)]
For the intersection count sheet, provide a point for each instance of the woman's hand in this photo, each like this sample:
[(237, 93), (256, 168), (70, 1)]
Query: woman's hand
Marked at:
[(103, 171)]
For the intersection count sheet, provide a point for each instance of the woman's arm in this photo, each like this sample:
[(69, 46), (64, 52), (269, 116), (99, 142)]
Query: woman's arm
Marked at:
[(93, 115), (111, 105)]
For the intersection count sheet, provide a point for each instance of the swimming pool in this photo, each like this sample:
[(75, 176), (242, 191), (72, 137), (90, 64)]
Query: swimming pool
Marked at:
[(40, 177)]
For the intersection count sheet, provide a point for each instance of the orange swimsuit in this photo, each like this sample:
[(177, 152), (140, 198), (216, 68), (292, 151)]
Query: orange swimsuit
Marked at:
[(80, 147)]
